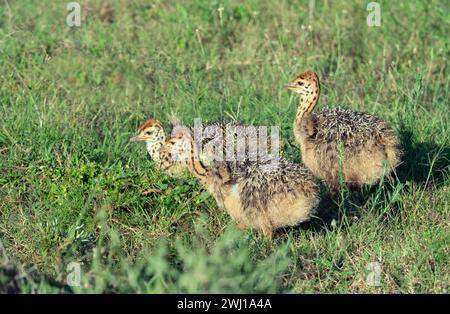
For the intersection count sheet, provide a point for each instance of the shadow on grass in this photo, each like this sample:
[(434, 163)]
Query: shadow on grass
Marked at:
[(14, 281), (341, 210), (422, 161)]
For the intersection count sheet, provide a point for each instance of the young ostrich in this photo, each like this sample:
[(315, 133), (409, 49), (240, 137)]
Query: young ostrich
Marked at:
[(152, 133), (264, 195), (368, 141)]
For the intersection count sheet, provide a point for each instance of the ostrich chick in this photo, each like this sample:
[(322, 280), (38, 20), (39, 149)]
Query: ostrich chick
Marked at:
[(368, 142), (264, 195), (152, 133)]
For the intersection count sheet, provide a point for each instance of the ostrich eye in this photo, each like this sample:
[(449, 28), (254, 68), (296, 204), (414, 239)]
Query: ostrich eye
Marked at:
[(149, 132), (300, 83)]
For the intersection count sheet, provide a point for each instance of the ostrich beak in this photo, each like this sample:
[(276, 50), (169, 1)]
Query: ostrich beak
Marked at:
[(137, 138), (291, 86)]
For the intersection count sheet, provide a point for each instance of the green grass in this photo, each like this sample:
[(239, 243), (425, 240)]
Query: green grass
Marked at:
[(71, 183)]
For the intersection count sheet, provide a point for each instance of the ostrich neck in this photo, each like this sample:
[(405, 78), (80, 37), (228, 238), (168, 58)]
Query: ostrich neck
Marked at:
[(154, 147), (195, 164), (307, 104)]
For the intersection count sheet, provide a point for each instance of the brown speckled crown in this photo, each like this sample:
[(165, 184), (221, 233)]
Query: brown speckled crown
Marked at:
[(308, 75), (149, 123)]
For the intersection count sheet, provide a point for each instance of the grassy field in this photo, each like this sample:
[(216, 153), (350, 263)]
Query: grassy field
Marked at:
[(71, 183)]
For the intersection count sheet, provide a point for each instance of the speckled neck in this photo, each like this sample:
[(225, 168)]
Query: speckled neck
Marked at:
[(154, 146), (195, 163), (307, 102)]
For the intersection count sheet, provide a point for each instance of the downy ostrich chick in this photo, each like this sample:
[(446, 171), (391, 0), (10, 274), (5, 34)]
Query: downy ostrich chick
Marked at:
[(264, 195), (368, 142), (152, 133)]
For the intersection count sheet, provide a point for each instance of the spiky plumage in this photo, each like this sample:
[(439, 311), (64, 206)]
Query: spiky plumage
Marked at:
[(353, 129), (261, 181)]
